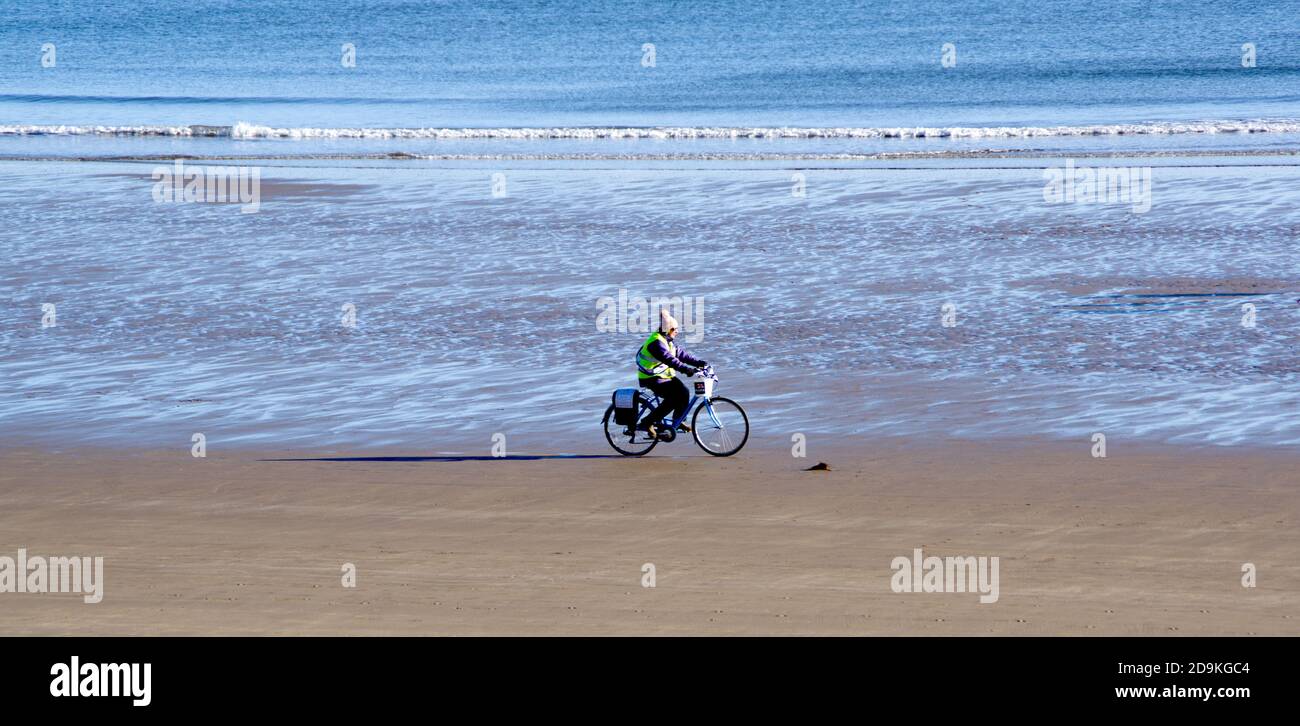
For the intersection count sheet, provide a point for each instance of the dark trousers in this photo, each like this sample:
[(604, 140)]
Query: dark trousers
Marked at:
[(673, 396)]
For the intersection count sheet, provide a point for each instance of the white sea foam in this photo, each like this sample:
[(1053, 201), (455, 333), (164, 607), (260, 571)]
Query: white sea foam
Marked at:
[(244, 130), (72, 130)]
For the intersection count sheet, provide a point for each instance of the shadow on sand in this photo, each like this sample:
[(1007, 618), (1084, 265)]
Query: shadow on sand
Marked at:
[(518, 457)]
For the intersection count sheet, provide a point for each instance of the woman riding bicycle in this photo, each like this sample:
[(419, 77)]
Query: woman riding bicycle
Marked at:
[(657, 363)]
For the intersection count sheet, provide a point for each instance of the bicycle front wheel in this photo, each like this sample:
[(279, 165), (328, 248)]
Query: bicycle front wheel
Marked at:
[(720, 426)]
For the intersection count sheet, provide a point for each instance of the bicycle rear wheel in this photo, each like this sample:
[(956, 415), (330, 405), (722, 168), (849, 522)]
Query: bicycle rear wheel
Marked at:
[(724, 428), (628, 440)]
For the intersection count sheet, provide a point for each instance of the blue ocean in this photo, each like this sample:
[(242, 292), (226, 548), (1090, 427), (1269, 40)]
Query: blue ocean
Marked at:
[(845, 76), (831, 179)]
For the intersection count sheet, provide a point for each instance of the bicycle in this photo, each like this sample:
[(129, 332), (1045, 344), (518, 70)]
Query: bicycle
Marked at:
[(722, 432)]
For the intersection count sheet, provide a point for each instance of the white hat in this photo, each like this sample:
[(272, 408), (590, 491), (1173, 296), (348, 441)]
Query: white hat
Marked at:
[(666, 321)]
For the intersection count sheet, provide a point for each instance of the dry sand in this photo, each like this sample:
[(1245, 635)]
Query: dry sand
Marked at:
[(1142, 542)]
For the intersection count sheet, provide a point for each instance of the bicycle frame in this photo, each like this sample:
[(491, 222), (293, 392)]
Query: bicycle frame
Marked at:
[(654, 401), (714, 436)]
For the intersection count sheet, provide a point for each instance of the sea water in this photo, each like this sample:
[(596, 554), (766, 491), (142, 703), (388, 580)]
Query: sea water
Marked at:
[(865, 227)]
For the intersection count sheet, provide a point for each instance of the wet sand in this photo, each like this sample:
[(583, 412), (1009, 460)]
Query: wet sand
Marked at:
[(378, 306), (1147, 541)]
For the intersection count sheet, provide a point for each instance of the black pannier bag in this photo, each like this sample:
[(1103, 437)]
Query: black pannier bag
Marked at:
[(626, 402)]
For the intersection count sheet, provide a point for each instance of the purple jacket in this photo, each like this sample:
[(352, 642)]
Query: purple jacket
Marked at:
[(683, 361)]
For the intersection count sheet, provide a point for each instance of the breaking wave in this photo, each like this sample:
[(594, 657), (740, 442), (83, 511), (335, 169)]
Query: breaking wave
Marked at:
[(253, 131)]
